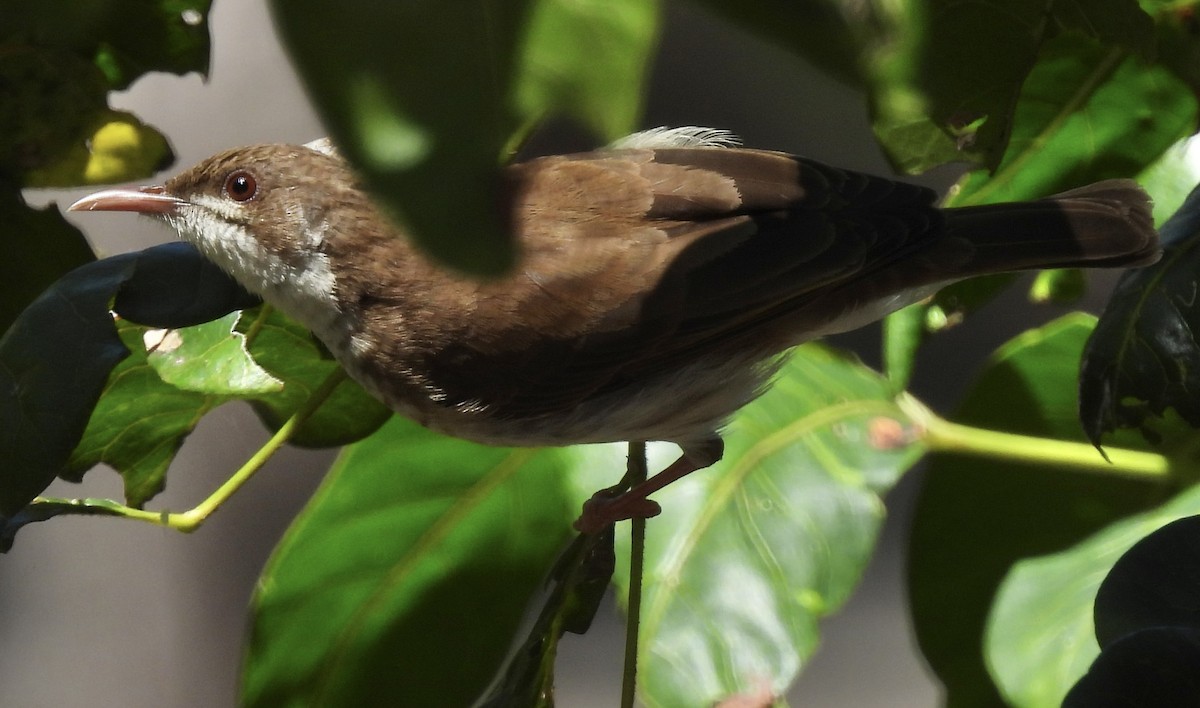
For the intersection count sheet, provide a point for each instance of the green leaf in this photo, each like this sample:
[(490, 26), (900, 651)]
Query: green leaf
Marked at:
[(1087, 112), (407, 573), (138, 424), (587, 59), (976, 517), (1143, 358), (209, 358), (946, 89), (1171, 178), (116, 147), (56, 358), (748, 555), (45, 83), (903, 332), (580, 577), (140, 37), (40, 247), (141, 420), (46, 508), (1040, 634), (123, 38), (425, 97), (1060, 286), (290, 353), (61, 59), (75, 399)]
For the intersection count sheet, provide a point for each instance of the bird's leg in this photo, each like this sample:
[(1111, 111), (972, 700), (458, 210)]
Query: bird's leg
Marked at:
[(618, 503)]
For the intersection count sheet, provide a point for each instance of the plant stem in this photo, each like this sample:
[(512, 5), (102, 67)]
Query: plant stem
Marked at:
[(941, 435), (191, 519), (636, 474)]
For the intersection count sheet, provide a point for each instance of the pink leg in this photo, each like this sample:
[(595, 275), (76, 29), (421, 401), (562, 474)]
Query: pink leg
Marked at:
[(611, 505)]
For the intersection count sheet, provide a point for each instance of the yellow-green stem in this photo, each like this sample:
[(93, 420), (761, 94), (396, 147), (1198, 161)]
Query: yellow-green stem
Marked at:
[(190, 520), (941, 435)]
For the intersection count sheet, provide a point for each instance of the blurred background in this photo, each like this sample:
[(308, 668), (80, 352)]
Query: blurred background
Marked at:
[(97, 612)]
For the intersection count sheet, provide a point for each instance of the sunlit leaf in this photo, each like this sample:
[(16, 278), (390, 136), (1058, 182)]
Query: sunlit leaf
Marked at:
[(119, 148), (208, 358), (1074, 125), (138, 424), (748, 555), (947, 88)]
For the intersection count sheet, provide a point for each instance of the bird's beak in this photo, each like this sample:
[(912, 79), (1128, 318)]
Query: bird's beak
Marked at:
[(143, 200)]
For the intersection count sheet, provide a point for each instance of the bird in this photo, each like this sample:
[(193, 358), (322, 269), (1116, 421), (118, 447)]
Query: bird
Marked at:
[(659, 283)]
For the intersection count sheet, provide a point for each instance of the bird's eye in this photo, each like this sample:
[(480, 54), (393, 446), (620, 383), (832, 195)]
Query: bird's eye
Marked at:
[(241, 186)]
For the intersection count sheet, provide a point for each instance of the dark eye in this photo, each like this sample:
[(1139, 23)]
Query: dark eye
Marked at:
[(241, 186)]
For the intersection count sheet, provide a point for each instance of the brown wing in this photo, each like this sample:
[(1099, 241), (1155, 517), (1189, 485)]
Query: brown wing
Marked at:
[(639, 261)]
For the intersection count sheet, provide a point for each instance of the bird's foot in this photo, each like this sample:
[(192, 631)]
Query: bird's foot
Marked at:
[(608, 506)]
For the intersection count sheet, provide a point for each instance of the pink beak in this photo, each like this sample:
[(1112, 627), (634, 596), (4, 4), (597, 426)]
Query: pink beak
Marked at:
[(144, 200)]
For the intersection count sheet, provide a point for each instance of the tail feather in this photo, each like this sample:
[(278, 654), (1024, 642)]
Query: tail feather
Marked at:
[(1106, 224)]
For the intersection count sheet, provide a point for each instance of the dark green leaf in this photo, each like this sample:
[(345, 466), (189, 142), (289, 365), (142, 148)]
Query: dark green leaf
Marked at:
[(287, 350), (1178, 39), (581, 576), (59, 356), (1155, 667), (139, 37), (40, 247), (1143, 357), (141, 420), (1154, 584), (45, 83), (407, 573), (178, 287), (828, 33), (61, 58), (425, 97), (54, 361), (789, 518), (976, 517), (123, 38), (1039, 637), (44, 509)]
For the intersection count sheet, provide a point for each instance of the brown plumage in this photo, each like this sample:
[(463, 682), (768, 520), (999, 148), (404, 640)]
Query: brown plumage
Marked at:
[(655, 289)]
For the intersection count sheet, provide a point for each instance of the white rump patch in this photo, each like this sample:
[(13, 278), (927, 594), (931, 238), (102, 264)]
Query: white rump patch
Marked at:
[(690, 136)]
